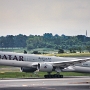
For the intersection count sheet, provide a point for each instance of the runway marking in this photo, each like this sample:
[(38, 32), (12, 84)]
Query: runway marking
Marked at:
[(48, 88), (25, 85), (33, 84), (42, 79), (80, 83), (51, 88)]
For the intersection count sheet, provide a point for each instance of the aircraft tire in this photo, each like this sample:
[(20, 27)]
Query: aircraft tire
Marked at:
[(45, 76), (53, 76), (61, 76)]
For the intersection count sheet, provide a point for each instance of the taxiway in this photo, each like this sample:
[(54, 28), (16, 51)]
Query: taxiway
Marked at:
[(66, 83)]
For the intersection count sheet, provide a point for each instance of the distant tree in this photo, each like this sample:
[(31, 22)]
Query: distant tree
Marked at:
[(60, 51), (30, 46), (46, 41), (20, 40), (88, 48), (2, 42), (79, 49), (47, 35), (72, 50), (36, 52), (9, 40), (81, 37)]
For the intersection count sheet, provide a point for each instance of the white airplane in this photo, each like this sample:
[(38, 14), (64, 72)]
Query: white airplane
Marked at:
[(31, 63)]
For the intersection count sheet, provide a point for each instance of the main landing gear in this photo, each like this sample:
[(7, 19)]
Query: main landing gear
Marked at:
[(58, 70), (53, 76)]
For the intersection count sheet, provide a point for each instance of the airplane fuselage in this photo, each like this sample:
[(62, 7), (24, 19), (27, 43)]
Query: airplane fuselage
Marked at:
[(84, 67)]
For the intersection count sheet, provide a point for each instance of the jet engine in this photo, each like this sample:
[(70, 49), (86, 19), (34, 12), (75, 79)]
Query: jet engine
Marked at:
[(44, 67), (25, 69)]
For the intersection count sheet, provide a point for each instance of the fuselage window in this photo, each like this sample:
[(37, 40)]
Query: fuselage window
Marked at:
[(44, 59)]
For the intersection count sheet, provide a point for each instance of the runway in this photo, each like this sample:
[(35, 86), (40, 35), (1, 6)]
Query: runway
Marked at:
[(66, 83)]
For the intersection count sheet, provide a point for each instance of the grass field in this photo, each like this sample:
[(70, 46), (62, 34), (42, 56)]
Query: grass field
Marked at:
[(51, 52), (40, 74), (14, 72), (86, 54)]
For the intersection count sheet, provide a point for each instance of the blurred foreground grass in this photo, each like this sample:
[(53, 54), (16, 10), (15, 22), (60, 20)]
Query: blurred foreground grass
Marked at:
[(40, 74)]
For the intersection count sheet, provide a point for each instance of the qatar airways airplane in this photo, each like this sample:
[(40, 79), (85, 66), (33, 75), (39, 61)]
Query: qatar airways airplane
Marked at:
[(32, 63)]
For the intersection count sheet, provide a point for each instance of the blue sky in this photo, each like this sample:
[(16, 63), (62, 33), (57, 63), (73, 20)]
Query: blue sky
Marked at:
[(69, 17)]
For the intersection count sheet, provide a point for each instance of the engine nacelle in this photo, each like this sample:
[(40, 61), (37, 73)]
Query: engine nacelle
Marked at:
[(25, 69), (44, 67)]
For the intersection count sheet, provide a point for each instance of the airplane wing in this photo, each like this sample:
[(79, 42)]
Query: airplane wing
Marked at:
[(60, 64), (65, 64)]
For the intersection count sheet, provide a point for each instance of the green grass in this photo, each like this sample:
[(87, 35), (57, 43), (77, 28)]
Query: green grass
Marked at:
[(71, 55), (13, 74), (1, 66), (18, 50), (47, 50), (75, 74), (40, 74)]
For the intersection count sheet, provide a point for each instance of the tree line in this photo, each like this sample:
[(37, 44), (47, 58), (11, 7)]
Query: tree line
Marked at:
[(47, 40), (11, 41)]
